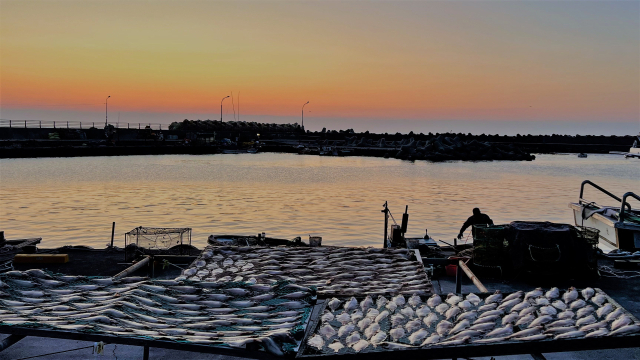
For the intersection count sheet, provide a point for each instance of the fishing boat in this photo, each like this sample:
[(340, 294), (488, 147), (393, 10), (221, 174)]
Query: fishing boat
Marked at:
[(634, 151), (619, 224)]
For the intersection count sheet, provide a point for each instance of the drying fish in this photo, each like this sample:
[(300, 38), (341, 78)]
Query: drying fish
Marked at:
[(483, 326), (500, 332), (521, 306), (408, 312), (335, 346), (345, 329), (599, 299), (115, 313), (453, 299), (433, 339), (559, 304), (620, 322), (594, 326), (452, 312), (577, 304), (333, 304), (455, 342), (511, 318), (465, 305), (586, 321), (473, 298), (587, 293), (488, 307), (513, 296), (554, 293), (356, 315), (560, 330), (61, 292), (459, 327), (491, 313), (548, 310), (237, 291), (496, 297), (344, 318), (604, 310), (364, 323), (508, 304), (391, 306), (527, 319), (526, 332), (397, 333), (541, 321), (418, 336), (381, 301), (23, 283), (423, 311), (570, 295), (561, 323), (372, 313), (532, 337), (351, 304), (327, 331), (626, 329), (567, 314), (371, 330), (51, 283), (381, 316), (352, 338), (598, 333), (542, 301), (570, 334), (415, 300), (585, 311), (533, 294), (360, 345), (327, 316), (443, 327), (442, 308), (366, 303), (413, 325), (434, 300), (614, 315), (397, 319), (489, 341), (487, 319)]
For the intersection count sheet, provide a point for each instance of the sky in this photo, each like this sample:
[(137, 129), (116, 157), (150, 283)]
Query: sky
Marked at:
[(469, 66)]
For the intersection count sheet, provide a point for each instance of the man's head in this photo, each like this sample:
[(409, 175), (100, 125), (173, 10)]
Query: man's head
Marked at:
[(476, 211)]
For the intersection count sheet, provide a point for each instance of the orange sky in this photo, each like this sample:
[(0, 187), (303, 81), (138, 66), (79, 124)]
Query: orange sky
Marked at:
[(411, 60)]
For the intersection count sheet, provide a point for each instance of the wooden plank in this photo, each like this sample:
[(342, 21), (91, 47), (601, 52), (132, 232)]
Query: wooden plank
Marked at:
[(131, 269), (41, 259), (472, 276)]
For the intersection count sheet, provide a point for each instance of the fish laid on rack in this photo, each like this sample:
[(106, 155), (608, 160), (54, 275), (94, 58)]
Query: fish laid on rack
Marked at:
[(421, 322), (197, 312)]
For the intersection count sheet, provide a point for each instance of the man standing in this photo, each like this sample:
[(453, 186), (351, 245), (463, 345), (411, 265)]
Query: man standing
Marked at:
[(477, 218)]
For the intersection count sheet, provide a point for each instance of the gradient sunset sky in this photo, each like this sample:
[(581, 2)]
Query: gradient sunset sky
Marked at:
[(359, 63)]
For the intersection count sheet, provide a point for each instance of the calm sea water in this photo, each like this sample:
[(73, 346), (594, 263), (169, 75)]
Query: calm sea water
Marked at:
[(72, 201)]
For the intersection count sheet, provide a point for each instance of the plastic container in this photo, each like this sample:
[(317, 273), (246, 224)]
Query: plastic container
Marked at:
[(451, 270), (315, 241)]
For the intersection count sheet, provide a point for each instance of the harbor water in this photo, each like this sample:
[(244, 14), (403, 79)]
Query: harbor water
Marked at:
[(73, 201)]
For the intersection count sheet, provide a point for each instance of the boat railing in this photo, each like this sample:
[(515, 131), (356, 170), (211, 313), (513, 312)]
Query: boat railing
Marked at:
[(588, 182), (624, 201)]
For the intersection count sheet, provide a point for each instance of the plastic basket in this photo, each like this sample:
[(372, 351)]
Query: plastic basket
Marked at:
[(589, 234)]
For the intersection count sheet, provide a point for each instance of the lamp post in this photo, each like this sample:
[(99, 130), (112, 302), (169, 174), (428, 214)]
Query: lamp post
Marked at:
[(303, 115), (221, 106), (106, 111)]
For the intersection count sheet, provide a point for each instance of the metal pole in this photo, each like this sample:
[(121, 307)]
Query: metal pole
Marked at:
[(25, 124), (221, 107), (386, 224), (113, 230), (106, 111), (145, 355), (458, 279), (40, 124), (303, 114)]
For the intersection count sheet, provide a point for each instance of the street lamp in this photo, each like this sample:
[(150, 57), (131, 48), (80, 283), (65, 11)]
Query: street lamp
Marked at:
[(221, 106), (303, 115), (106, 110)]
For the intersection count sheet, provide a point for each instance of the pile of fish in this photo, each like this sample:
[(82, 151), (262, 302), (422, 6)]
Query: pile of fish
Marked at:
[(204, 313), (398, 323), (334, 271)]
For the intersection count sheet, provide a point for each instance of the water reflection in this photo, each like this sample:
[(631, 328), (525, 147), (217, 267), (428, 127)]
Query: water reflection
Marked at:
[(74, 200)]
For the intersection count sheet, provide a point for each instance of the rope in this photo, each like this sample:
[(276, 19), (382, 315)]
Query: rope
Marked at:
[(619, 274), (57, 352)]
